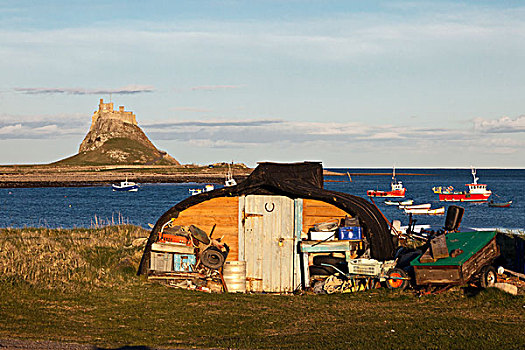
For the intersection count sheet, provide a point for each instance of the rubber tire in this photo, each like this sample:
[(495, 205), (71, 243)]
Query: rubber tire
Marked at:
[(321, 270), (340, 263), (488, 277), (212, 258), (396, 284)]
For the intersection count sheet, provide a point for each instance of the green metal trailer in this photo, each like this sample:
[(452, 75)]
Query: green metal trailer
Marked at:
[(474, 253)]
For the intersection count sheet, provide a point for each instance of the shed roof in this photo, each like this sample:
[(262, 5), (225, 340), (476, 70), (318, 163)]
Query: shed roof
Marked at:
[(294, 180)]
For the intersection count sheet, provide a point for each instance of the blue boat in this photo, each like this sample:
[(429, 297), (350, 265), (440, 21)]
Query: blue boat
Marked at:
[(127, 186)]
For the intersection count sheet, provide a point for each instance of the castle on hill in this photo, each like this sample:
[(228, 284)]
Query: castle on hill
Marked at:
[(105, 110), (115, 137)]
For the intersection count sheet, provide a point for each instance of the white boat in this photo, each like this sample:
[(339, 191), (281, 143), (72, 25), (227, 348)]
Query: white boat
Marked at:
[(207, 188), (416, 206), (127, 186), (396, 189), (476, 192), (230, 181), (400, 203), (426, 211)]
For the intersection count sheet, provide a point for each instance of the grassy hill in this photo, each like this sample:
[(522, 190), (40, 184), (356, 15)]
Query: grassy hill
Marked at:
[(118, 151), (80, 286)]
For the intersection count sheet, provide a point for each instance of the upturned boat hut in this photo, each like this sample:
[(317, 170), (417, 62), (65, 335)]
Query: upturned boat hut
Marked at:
[(263, 219)]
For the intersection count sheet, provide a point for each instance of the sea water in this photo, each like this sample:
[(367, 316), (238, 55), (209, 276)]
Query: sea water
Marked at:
[(505, 184), (68, 207)]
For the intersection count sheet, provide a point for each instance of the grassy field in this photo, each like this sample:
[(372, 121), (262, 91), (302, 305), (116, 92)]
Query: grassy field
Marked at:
[(118, 151), (80, 286)]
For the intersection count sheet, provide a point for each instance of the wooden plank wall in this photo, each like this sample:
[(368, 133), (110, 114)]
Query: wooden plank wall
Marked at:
[(222, 211), (315, 212)]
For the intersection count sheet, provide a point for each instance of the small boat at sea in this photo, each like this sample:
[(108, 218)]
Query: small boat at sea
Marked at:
[(476, 192), (499, 205), (416, 206), (230, 181), (425, 211), (126, 186), (207, 188), (399, 203), (396, 189)]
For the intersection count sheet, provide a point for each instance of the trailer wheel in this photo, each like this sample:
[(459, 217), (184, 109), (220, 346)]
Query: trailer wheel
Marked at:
[(488, 277), (393, 282)]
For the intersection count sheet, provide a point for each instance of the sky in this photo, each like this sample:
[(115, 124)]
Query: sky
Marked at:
[(348, 83)]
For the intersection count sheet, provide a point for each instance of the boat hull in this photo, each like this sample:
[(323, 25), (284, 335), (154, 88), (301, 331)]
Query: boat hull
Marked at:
[(399, 203), (386, 194), (417, 206), (133, 188), (438, 211), (500, 205), (464, 197)]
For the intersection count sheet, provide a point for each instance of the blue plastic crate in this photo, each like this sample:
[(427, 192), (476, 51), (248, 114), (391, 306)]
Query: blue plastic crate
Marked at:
[(350, 233), (184, 262)]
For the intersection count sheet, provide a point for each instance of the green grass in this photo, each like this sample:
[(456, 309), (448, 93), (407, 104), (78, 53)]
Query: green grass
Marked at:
[(117, 308), (133, 152)]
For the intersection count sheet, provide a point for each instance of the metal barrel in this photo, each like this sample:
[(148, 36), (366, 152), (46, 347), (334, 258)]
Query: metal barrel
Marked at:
[(234, 273)]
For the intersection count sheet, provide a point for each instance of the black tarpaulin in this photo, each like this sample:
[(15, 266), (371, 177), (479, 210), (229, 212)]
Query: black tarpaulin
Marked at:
[(297, 180)]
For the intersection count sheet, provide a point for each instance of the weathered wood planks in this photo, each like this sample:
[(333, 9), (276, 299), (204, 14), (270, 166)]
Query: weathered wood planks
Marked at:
[(222, 212), (315, 212)]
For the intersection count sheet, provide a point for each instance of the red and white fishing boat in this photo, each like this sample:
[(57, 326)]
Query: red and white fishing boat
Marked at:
[(476, 192), (396, 189)]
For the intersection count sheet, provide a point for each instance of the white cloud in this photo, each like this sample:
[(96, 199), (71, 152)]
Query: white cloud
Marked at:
[(42, 126), (337, 38), (501, 125), (126, 90), (10, 129), (47, 129)]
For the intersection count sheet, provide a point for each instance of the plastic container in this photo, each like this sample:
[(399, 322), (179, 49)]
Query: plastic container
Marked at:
[(161, 261), (350, 233), (184, 262), (368, 267), (322, 235), (234, 274)]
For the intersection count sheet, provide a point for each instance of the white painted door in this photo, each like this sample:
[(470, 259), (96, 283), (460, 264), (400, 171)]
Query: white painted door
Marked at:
[(267, 242)]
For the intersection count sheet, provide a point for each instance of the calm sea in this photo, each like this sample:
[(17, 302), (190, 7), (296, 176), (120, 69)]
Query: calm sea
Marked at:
[(69, 207)]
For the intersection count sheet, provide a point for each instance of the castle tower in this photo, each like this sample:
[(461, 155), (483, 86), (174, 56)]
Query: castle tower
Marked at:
[(106, 111)]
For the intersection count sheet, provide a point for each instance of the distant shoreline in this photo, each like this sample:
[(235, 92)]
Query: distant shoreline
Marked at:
[(24, 176), (49, 176), (335, 173)]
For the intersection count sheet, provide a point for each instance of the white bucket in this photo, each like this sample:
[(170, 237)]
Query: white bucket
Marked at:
[(234, 273)]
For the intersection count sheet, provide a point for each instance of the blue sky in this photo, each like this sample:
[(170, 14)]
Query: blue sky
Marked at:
[(351, 84)]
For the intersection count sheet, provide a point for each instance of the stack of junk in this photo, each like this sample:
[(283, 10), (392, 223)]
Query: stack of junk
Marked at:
[(280, 231)]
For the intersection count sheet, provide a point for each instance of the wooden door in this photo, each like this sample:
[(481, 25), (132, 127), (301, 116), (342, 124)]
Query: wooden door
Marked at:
[(267, 242)]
